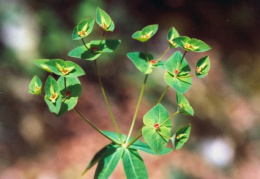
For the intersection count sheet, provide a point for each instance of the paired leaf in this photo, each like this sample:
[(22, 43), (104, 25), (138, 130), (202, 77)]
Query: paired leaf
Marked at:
[(146, 33), (142, 62), (193, 44), (177, 75), (70, 93), (156, 131), (138, 145), (134, 166), (114, 136), (159, 64), (94, 49), (96, 158), (184, 105), (35, 86), (65, 68), (108, 161), (42, 64), (83, 29), (52, 95), (104, 20), (181, 137), (202, 67), (172, 34)]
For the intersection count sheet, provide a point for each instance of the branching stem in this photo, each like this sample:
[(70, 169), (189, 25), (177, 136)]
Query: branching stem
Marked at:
[(177, 112), (137, 136), (102, 38), (92, 125), (145, 51), (164, 135), (137, 108), (182, 60), (167, 87), (85, 44), (163, 54), (105, 97), (186, 76)]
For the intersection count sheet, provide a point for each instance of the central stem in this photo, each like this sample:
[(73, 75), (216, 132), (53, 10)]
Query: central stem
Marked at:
[(137, 108), (105, 97)]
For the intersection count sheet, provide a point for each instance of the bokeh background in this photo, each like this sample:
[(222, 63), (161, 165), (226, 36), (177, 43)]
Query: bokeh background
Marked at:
[(224, 142)]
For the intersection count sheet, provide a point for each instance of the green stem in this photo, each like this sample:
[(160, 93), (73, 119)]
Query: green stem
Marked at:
[(177, 112), (133, 141), (163, 54), (164, 135), (167, 87), (137, 108), (186, 76), (145, 50), (102, 38), (105, 97), (182, 60), (135, 137), (65, 85), (92, 125), (85, 44)]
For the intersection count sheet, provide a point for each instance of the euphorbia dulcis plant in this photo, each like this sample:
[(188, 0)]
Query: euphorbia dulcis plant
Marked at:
[(61, 94)]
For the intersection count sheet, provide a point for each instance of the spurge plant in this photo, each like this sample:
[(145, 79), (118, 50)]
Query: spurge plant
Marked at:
[(61, 95)]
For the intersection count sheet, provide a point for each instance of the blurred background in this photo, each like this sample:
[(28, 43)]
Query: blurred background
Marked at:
[(35, 144)]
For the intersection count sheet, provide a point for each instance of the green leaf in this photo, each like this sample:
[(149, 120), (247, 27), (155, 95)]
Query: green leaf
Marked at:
[(108, 161), (114, 136), (142, 63), (65, 68), (173, 64), (159, 64), (181, 41), (42, 64), (181, 137), (83, 29), (172, 34), (69, 94), (35, 86), (181, 84), (96, 158), (52, 95), (193, 44), (138, 145), (95, 48), (146, 33), (104, 20), (184, 105), (134, 166), (202, 67), (180, 79), (156, 131)]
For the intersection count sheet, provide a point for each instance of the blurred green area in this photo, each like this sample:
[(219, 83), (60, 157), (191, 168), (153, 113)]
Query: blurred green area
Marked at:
[(225, 129)]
